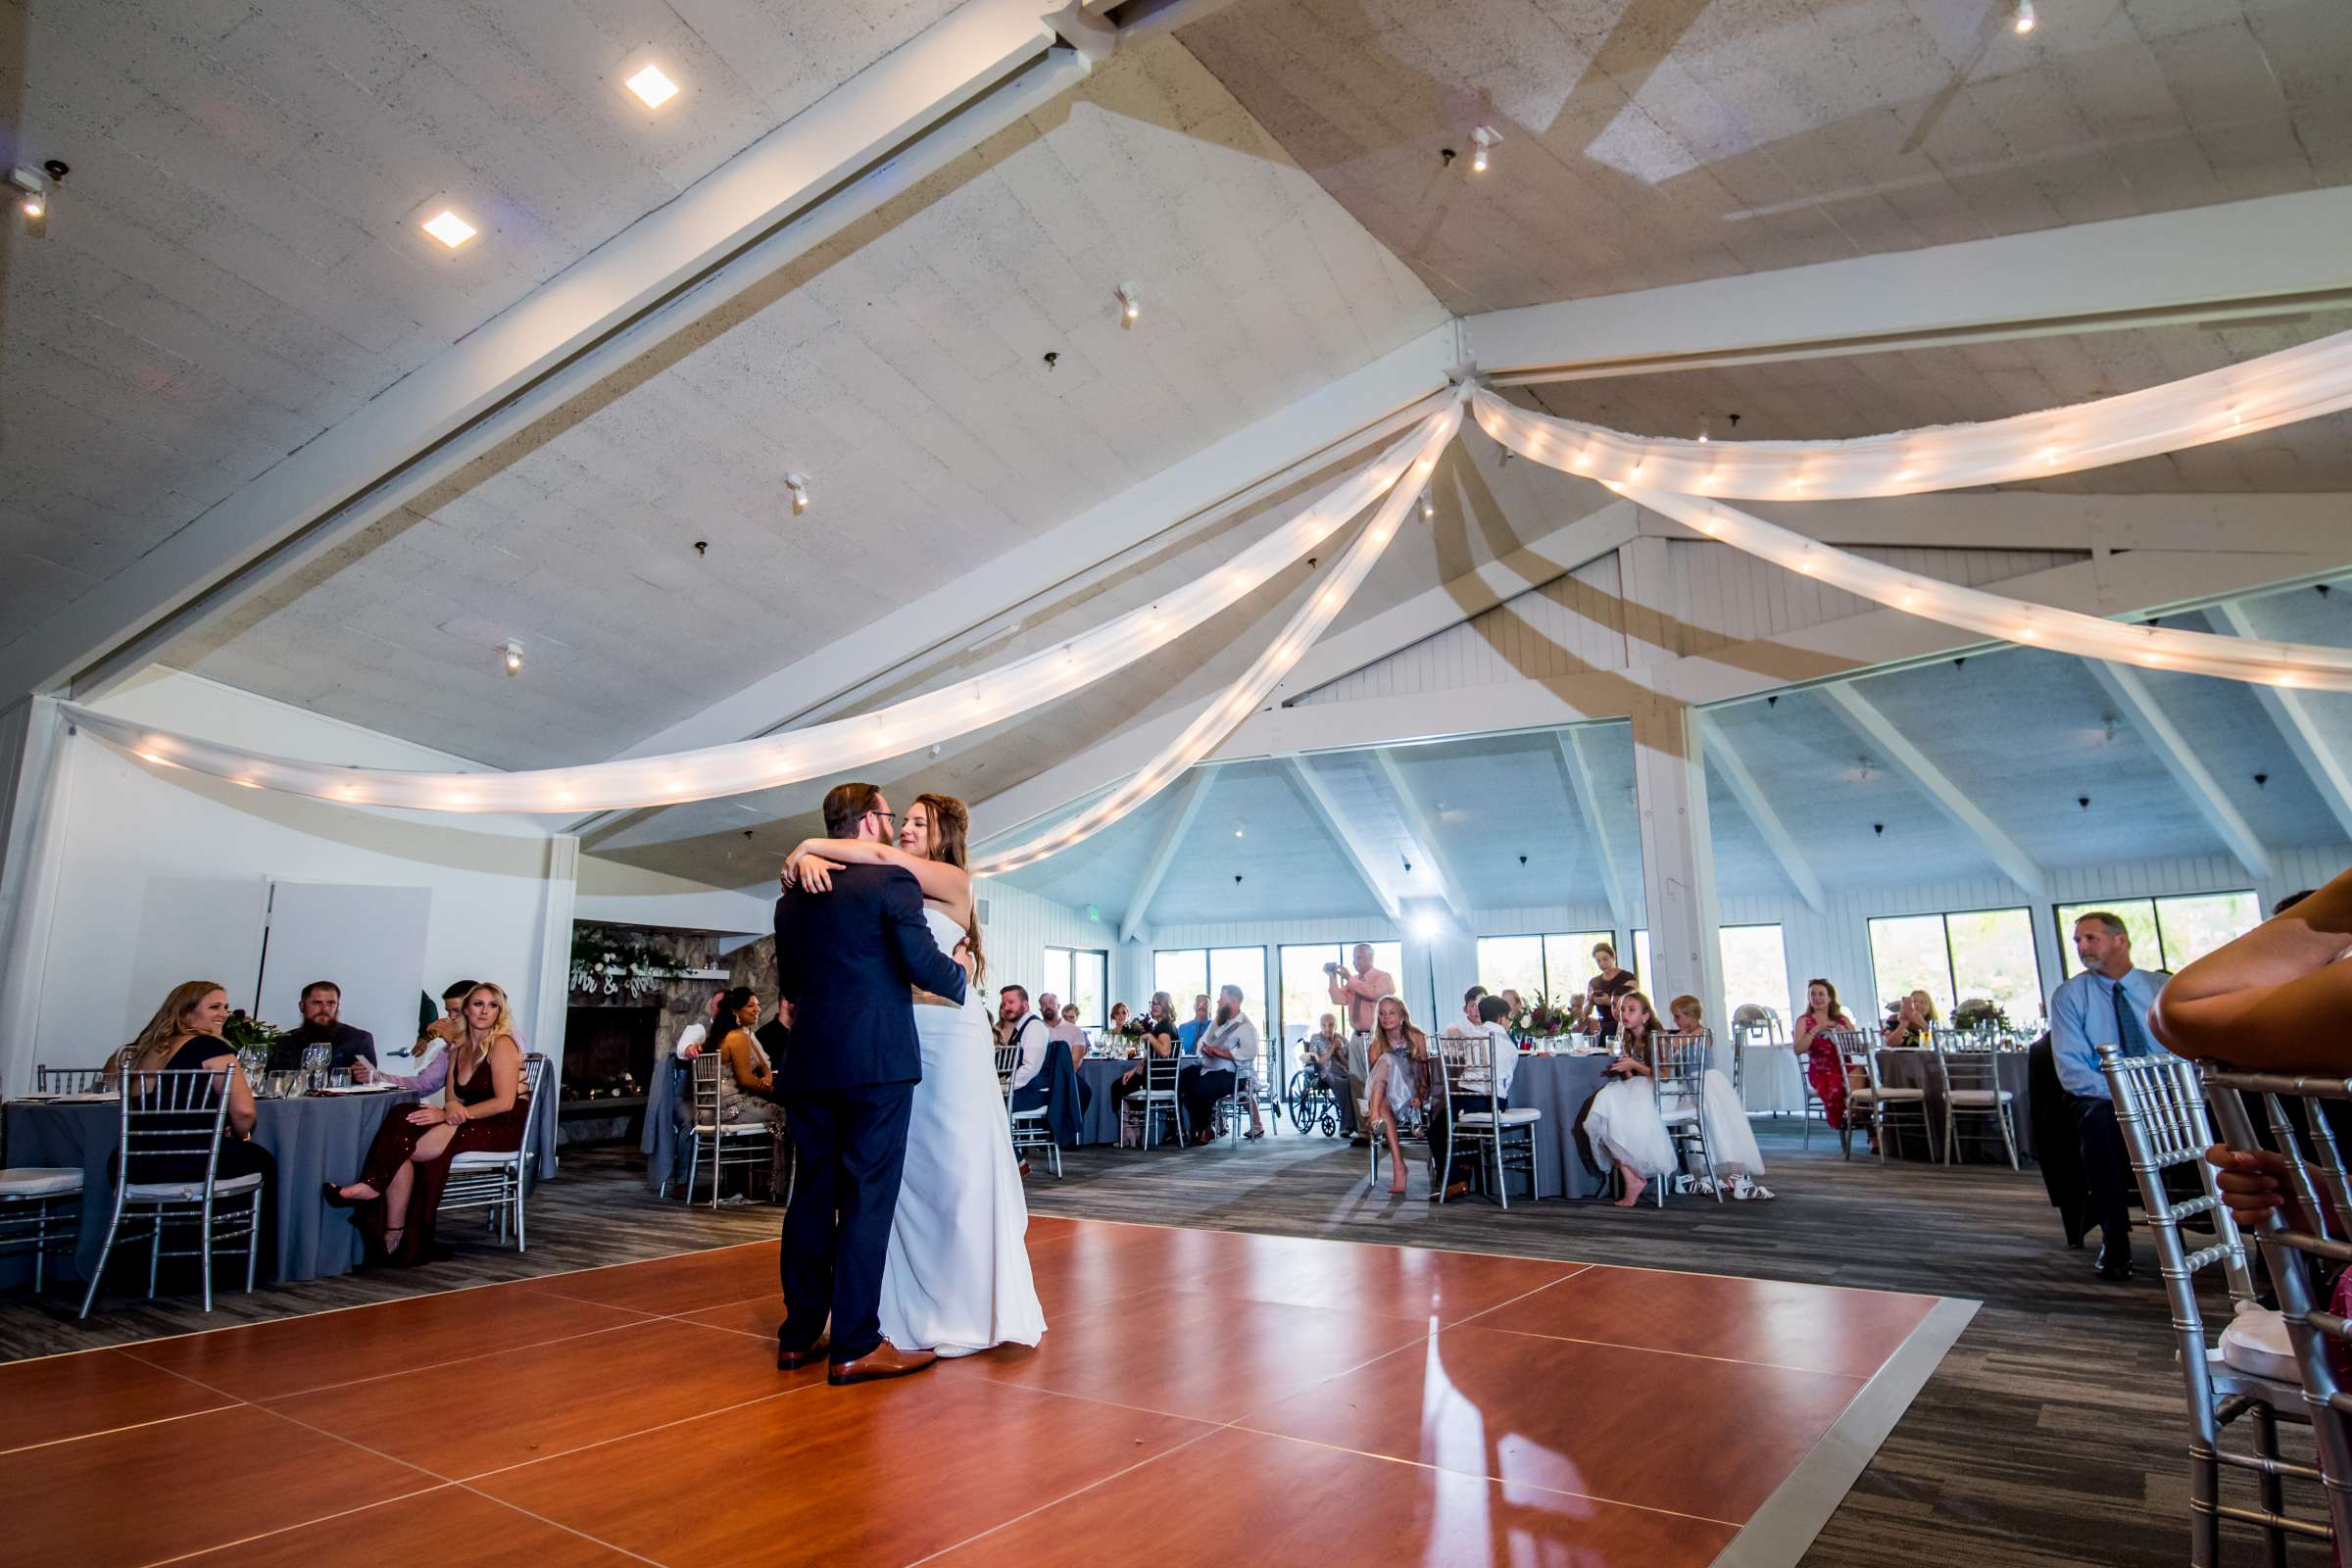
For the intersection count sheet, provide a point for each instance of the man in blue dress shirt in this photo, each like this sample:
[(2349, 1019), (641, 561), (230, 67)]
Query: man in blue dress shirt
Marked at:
[(1188, 1035), (2107, 1003)]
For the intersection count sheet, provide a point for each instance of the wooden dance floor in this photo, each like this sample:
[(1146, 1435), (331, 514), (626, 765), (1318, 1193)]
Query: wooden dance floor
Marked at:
[(1199, 1397)]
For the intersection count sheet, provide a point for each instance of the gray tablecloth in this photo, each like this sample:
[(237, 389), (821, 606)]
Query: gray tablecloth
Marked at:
[(1980, 1138), (1100, 1123), (314, 1141), (1558, 1086)]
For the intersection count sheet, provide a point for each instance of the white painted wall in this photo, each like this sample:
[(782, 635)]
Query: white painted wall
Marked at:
[(632, 895), (1021, 926), (131, 832)]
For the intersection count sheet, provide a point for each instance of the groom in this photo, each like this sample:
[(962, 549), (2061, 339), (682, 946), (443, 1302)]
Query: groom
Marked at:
[(847, 960)]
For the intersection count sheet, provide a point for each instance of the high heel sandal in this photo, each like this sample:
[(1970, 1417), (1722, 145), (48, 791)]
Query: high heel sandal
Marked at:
[(336, 1199)]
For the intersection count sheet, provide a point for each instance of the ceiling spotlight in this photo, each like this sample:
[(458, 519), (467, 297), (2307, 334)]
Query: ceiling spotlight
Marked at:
[(513, 654), (449, 229), (797, 484), (651, 85), (36, 190), (2024, 18), (1485, 136), (1702, 431), (1131, 305), (1429, 508)]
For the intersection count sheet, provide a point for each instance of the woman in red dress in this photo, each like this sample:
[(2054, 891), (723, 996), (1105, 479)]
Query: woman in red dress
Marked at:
[(1825, 1070), (399, 1191)]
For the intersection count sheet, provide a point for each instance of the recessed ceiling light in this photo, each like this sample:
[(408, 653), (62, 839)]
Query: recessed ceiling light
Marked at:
[(449, 229), (653, 87)]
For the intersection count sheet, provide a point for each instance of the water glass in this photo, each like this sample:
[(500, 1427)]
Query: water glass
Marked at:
[(340, 1078)]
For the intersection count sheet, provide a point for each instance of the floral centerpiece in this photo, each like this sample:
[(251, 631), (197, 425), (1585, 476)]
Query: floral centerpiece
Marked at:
[(1980, 1015), (1129, 1034), (1544, 1020)]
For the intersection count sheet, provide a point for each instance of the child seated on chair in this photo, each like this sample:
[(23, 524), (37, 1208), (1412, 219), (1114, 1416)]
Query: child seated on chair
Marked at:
[(1731, 1141), (1620, 1125)]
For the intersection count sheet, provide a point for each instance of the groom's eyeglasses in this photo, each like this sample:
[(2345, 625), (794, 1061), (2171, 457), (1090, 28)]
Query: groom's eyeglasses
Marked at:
[(887, 816)]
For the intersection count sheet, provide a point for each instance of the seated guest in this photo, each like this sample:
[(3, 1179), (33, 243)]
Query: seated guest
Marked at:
[(1517, 1008), (1067, 1030), (184, 1036), (746, 1078), (399, 1191), (1621, 1122), (1025, 1032), (323, 1025), (1731, 1140), (1048, 1009), (1118, 1019), (1398, 1070), (1914, 1016), (1324, 1054), (1483, 1089), (1188, 1034), (431, 1048), (1159, 1040), (775, 1034), (694, 1036), (1824, 1069), (1227, 1064), (1596, 1008), (2107, 1003), (1468, 1024)]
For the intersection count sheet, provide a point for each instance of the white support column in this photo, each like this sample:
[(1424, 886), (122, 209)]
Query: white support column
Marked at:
[(1424, 828), (1318, 798), (559, 899), (35, 768), (1164, 853), (1947, 797), (2291, 710), (1775, 835), (2180, 760), (1677, 856), (1587, 806)]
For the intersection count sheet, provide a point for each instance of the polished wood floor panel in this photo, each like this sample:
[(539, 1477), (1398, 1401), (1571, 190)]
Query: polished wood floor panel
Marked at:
[(1808, 1326), (409, 1335), (63, 1396), (142, 1494), (448, 1527), (1201, 1394), (881, 1473), (549, 1398), (1687, 1434), (1274, 1500)]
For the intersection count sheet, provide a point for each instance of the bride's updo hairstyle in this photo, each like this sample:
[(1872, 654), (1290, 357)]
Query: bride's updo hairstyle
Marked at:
[(951, 837)]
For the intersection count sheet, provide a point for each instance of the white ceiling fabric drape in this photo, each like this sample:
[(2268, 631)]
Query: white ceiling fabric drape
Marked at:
[(2297, 384), (837, 747), (1221, 719)]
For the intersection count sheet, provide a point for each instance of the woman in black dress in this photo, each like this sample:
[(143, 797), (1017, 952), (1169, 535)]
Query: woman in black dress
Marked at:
[(399, 1191), (1603, 991), (184, 1035)]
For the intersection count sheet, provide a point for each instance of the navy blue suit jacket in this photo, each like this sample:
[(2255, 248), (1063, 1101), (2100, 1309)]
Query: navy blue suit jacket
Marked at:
[(846, 961)]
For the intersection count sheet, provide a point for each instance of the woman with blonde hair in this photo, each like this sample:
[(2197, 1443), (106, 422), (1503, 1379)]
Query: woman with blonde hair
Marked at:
[(1398, 1074), (1914, 1016), (399, 1191), (955, 1277), (184, 1036), (1731, 1141)]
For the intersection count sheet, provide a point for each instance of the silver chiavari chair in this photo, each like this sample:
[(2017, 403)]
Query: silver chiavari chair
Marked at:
[(744, 1143), (1029, 1129), (499, 1180), (40, 1212), (1157, 1097), (1679, 1067), (1503, 1140), (178, 1112), (2251, 1368), (69, 1080), (1857, 1052), (1969, 1077)]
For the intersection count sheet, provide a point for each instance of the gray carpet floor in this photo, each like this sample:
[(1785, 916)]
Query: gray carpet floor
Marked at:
[(2051, 1433)]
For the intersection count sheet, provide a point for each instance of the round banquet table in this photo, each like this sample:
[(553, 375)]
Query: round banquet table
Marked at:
[(1903, 1067), (315, 1140), (1770, 1081), (1558, 1086), (1100, 1124)]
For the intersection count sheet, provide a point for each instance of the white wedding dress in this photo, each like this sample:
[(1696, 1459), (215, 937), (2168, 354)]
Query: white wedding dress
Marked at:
[(956, 1276)]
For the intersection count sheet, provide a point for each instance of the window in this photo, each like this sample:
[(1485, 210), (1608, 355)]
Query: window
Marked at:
[(2167, 932), (1954, 958), (1307, 989), (1080, 975), (1188, 972), (1755, 969), (1556, 964)]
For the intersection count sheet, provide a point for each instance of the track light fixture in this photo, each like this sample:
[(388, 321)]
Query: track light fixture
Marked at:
[(1131, 305), (1485, 136), (35, 194), (2026, 20), (797, 484), (1429, 508), (511, 652)]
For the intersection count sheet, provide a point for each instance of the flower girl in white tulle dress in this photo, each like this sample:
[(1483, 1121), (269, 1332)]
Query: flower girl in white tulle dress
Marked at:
[(1731, 1141), (1622, 1120)]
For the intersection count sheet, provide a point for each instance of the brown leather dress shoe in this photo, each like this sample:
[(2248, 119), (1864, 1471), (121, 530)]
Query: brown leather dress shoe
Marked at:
[(794, 1360), (884, 1361)]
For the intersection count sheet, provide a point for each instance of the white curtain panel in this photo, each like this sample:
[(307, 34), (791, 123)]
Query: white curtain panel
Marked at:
[(841, 746), (1221, 719), (2297, 384)]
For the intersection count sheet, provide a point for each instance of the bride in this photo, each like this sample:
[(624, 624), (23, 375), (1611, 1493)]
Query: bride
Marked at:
[(955, 1278)]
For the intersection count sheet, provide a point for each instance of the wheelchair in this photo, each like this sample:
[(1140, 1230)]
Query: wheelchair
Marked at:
[(1312, 1106)]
